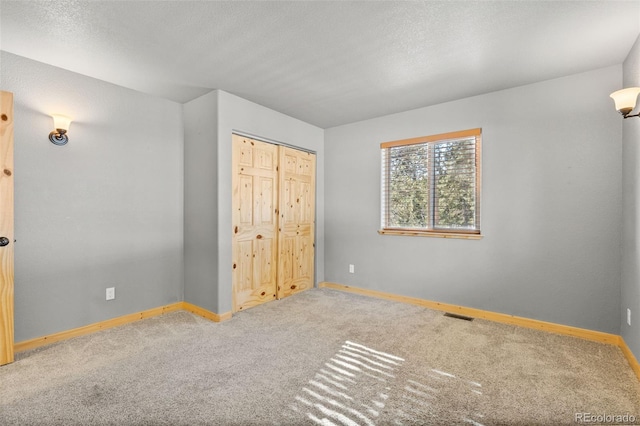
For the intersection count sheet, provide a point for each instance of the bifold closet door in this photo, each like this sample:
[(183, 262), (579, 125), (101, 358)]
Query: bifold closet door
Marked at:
[(273, 221), (255, 217), (296, 222)]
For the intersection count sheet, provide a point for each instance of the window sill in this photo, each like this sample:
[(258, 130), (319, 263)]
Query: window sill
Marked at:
[(436, 234)]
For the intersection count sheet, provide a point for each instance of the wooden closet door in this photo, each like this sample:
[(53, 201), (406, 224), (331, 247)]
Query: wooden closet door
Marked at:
[(254, 242), (296, 239)]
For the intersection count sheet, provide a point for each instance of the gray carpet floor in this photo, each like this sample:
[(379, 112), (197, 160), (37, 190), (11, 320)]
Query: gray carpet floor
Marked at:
[(321, 357)]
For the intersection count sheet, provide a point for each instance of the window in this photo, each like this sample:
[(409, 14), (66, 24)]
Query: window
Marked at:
[(431, 185)]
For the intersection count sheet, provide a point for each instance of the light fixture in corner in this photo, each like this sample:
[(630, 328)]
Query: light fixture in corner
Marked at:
[(625, 101), (61, 125)]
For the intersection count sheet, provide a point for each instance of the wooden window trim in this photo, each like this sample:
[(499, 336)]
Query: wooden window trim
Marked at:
[(472, 235), (442, 137)]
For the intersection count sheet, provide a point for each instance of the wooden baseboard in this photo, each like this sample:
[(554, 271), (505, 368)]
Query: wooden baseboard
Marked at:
[(461, 310), (206, 314), (115, 322), (597, 336), (92, 328), (566, 330), (633, 362)]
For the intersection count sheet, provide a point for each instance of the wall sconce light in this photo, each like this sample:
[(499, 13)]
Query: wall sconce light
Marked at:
[(625, 101), (61, 126)]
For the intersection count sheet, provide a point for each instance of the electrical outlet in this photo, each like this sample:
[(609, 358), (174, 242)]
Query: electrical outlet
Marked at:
[(111, 293), (352, 269), (628, 316)]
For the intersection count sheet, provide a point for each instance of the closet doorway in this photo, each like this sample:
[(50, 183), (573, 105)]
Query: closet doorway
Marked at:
[(273, 221)]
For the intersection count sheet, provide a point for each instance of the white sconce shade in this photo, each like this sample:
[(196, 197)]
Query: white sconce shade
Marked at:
[(61, 122), (625, 99), (61, 125)]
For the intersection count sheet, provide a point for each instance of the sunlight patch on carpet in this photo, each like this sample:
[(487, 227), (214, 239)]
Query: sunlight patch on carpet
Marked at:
[(359, 386), (327, 399)]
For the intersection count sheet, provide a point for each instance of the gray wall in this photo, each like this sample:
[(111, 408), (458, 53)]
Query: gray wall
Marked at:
[(631, 210), (201, 201), (551, 205), (209, 123), (104, 210), (238, 114), (108, 209)]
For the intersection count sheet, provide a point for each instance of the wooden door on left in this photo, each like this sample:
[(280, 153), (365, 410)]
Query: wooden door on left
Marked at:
[(254, 221), (6, 228)]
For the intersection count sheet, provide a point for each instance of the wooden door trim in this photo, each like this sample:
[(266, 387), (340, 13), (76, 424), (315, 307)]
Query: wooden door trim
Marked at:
[(6, 228)]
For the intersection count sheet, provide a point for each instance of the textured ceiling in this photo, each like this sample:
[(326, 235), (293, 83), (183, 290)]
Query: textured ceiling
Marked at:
[(327, 63)]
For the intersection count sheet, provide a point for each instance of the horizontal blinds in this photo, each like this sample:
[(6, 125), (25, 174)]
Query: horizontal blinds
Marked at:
[(432, 185), (384, 189)]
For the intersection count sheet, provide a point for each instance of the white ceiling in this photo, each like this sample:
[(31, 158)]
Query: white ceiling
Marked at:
[(327, 63)]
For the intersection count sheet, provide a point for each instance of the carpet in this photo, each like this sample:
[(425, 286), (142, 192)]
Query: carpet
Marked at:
[(321, 357)]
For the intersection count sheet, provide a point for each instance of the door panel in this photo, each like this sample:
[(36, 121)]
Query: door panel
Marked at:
[(254, 243), (297, 222), (6, 228), (244, 256)]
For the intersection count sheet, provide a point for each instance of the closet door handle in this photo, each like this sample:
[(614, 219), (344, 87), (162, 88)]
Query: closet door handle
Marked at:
[(4, 241)]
